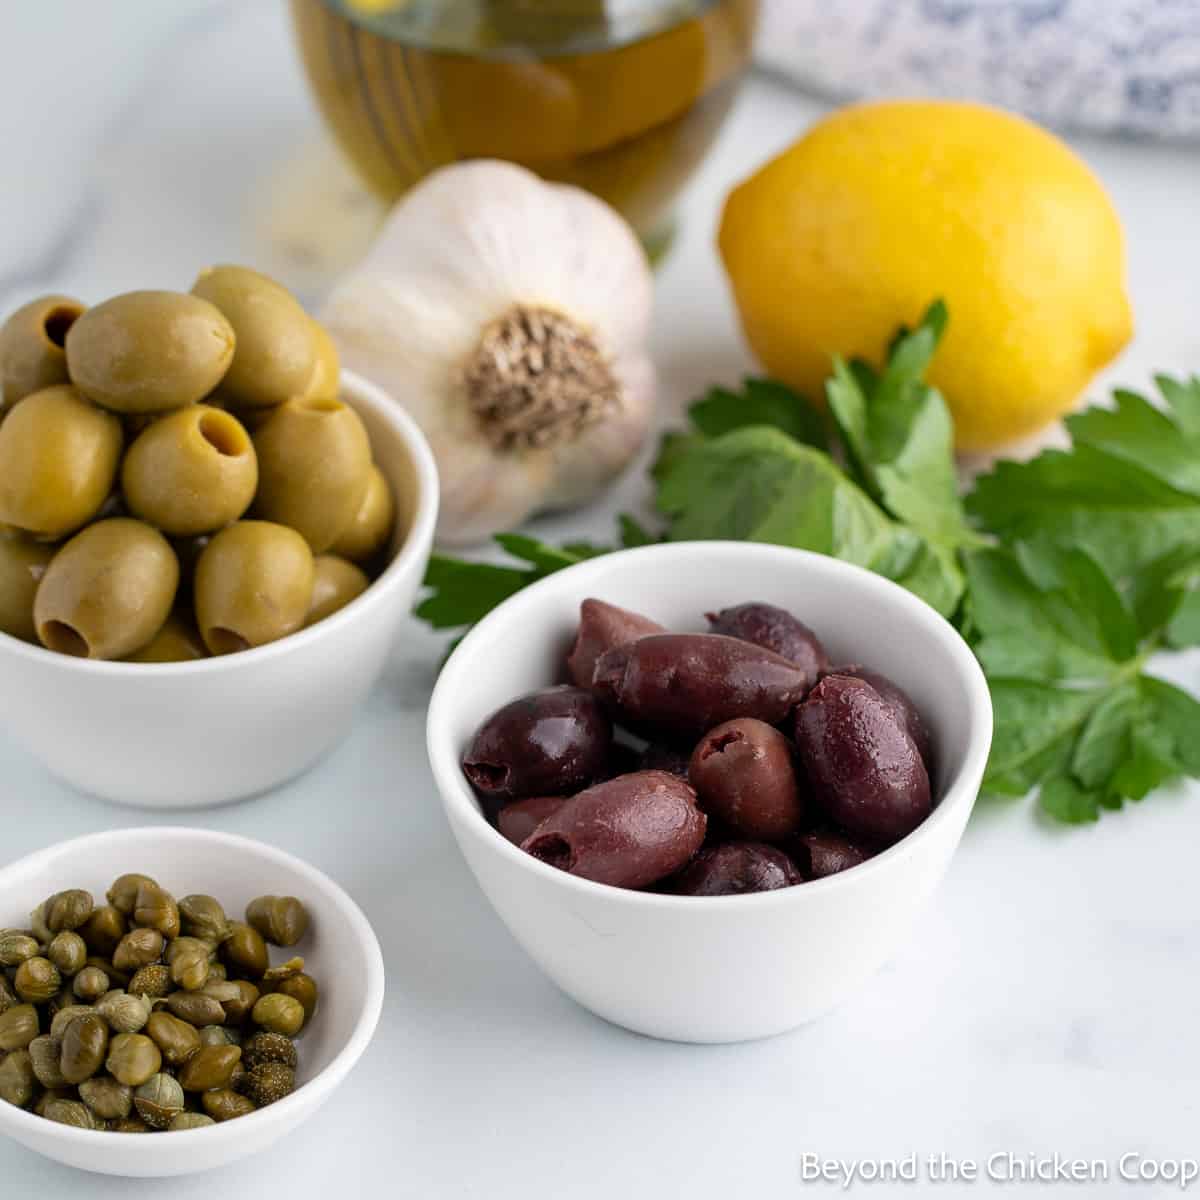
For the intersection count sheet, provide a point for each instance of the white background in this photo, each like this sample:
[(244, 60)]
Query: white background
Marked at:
[(1048, 1001)]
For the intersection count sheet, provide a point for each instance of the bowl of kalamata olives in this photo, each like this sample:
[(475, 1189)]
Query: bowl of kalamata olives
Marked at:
[(709, 786)]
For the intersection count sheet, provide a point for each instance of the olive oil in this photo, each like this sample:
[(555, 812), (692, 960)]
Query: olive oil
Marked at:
[(622, 97)]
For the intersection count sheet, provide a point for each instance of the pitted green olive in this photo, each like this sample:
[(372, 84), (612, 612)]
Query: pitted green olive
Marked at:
[(31, 347), (335, 583), (371, 528), (177, 641), (22, 565), (324, 381)]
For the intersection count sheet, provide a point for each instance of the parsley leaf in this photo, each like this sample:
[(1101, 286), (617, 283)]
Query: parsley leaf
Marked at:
[(760, 402)]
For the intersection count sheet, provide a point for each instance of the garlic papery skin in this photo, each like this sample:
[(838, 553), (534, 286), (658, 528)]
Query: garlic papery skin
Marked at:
[(509, 317)]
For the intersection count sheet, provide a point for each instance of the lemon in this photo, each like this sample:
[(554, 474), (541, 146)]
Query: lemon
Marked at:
[(881, 208)]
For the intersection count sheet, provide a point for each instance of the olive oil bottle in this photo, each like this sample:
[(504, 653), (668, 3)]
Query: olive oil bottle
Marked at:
[(622, 97)]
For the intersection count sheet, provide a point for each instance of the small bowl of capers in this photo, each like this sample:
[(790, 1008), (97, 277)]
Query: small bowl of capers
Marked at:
[(175, 981)]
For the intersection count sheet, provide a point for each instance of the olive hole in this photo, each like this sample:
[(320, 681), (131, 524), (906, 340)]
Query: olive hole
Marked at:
[(62, 638), (58, 321), (487, 777), (552, 849), (223, 434), (717, 744), (225, 641)]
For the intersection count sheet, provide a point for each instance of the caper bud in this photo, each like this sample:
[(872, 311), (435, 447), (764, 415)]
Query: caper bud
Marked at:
[(91, 983), (17, 1078), (159, 1101), (38, 926), (138, 948), (129, 1125), (239, 1007), (117, 978), (68, 952), (176, 1039), (84, 1046), (132, 1059), (268, 1082), (246, 951), (103, 930), (217, 972), (70, 1112), (45, 1053), (277, 1013), (153, 981), (282, 920), (188, 959), (8, 998), (68, 910), (269, 1048), (189, 1120), (203, 917), (18, 1027), (300, 987), (108, 1099), (16, 948), (217, 1035), (224, 1104), (210, 1067), (293, 966), (155, 908), (123, 893), (196, 1009), (36, 980), (124, 1012), (49, 1096), (64, 1016)]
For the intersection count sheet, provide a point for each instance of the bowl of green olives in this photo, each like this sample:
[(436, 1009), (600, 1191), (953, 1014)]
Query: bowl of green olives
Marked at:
[(175, 982), (209, 536)]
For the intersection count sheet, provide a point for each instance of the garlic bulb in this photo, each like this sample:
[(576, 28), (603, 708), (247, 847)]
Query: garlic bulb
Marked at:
[(509, 317)]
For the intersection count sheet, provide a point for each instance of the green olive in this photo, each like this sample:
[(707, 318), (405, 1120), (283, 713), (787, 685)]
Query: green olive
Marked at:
[(314, 466), (84, 1047), (253, 585), (58, 461), (176, 1040), (108, 591), (276, 347), (335, 583), (191, 472), (325, 380), (210, 1067), (371, 528), (177, 641), (147, 352), (133, 1058), (31, 347)]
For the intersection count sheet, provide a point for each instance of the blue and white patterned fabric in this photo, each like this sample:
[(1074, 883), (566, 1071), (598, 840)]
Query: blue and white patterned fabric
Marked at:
[(1117, 66)]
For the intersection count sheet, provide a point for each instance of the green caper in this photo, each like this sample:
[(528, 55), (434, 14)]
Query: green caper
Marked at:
[(282, 920), (91, 983), (108, 1099), (129, 1125), (371, 528), (58, 462), (125, 1013), (238, 1008), (133, 1058), (218, 1035), (189, 1120), (38, 926), (108, 591), (203, 917), (17, 1079), (18, 1027), (210, 1067), (31, 347), (148, 352), (196, 1009), (286, 970), (23, 562), (16, 948), (103, 930), (116, 977), (269, 1048), (123, 893), (217, 971), (301, 987), (155, 908), (278, 1013), (65, 1015), (253, 585), (8, 998), (36, 980), (68, 952), (268, 1082), (245, 951), (70, 1112), (49, 1095), (138, 948), (176, 1039), (276, 350), (335, 583), (314, 467), (45, 1053), (224, 1104), (189, 960), (68, 910), (159, 1101), (84, 1048), (153, 981)]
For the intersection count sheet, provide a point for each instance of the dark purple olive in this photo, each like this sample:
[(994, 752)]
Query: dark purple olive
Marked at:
[(551, 742), (743, 775), (821, 854), (601, 627), (629, 832), (658, 756), (906, 711), (520, 818), (776, 629), (682, 684), (736, 868), (862, 762)]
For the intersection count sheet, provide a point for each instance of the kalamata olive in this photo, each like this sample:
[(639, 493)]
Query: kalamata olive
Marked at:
[(628, 832), (862, 762), (826, 853), (734, 868), (520, 818), (554, 741), (682, 684), (743, 774), (906, 711), (776, 629), (658, 756), (601, 627)]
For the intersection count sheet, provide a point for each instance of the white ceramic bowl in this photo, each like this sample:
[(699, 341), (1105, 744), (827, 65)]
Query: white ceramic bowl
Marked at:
[(339, 946), (726, 968), (176, 735)]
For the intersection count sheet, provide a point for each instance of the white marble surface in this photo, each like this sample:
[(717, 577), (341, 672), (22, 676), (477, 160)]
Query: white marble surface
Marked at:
[(1047, 1003)]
